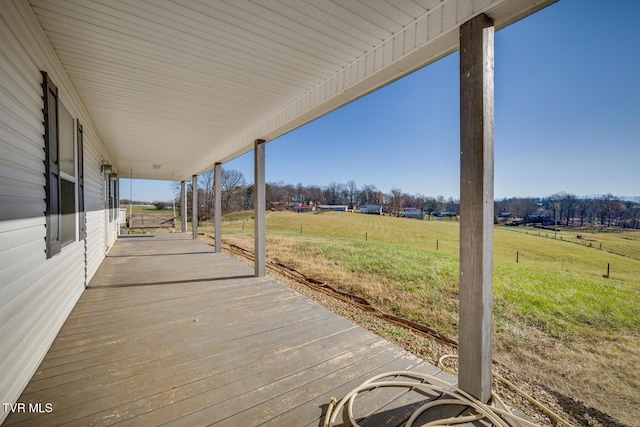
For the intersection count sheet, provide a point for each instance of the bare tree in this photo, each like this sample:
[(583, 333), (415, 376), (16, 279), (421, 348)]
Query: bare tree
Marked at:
[(553, 203), (584, 210), (205, 183), (300, 193), (606, 207), (368, 194), (395, 200), (409, 201), (427, 204), (352, 193), (633, 209), (568, 203), (232, 189), (334, 194), (313, 194), (522, 208)]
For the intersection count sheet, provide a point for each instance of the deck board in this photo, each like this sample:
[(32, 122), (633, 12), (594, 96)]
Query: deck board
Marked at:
[(170, 332)]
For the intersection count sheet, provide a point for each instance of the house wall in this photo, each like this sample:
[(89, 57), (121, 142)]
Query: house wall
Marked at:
[(37, 294)]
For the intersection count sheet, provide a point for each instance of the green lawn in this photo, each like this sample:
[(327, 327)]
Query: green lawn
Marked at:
[(556, 286)]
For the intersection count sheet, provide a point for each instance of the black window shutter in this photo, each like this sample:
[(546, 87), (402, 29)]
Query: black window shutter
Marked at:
[(81, 209), (117, 198), (52, 165), (110, 184)]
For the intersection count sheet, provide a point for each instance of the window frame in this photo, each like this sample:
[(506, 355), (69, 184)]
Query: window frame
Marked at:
[(69, 179), (54, 175)]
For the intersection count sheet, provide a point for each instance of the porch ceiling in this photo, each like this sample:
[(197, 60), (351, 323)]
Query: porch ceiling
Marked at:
[(186, 83)]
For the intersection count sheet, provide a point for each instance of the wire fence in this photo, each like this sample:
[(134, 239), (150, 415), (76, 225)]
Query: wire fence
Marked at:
[(626, 268)]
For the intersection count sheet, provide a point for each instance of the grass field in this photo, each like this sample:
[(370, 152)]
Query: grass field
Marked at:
[(556, 318), (531, 247), (146, 209)]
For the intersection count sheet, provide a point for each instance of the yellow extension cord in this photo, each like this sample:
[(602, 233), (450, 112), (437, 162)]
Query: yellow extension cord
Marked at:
[(430, 383)]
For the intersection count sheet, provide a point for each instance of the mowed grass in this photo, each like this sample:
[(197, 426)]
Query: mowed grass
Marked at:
[(615, 241), (443, 236), (146, 209), (556, 286)]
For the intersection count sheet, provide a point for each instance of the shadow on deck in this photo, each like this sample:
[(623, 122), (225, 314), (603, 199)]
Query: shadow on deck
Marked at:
[(170, 332)]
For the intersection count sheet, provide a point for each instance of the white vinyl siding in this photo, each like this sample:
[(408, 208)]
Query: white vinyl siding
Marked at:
[(94, 206), (36, 293)]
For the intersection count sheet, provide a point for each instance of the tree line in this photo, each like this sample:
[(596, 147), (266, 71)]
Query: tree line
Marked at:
[(236, 195), (568, 209)]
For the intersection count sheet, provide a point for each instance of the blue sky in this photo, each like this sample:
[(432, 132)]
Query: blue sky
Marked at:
[(567, 116)]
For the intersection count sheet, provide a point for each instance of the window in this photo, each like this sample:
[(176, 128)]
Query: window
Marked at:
[(112, 181), (63, 179), (66, 146)]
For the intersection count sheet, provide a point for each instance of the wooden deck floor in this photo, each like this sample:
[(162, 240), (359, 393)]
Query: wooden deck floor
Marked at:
[(171, 332)]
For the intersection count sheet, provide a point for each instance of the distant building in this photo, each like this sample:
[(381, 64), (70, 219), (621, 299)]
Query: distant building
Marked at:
[(444, 214), (336, 208), (542, 219), (415, 213), (371, 209), (302, 208)]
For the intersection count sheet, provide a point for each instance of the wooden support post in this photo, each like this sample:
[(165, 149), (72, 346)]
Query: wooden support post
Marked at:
[(183, 206), (476, 205), (260, 207), (217, 205), (194, 206)]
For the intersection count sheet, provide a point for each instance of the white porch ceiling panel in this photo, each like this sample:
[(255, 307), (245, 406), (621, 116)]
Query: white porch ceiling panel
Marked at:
[(187, 83)]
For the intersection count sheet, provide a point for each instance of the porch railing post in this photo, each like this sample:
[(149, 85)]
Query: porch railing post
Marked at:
[(217, 205), (194, 206), (183, 206), (260, 206), (476, 205)]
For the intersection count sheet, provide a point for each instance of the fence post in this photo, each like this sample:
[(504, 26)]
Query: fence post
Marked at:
[(517, 256), (437, 245), (366, 236)]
